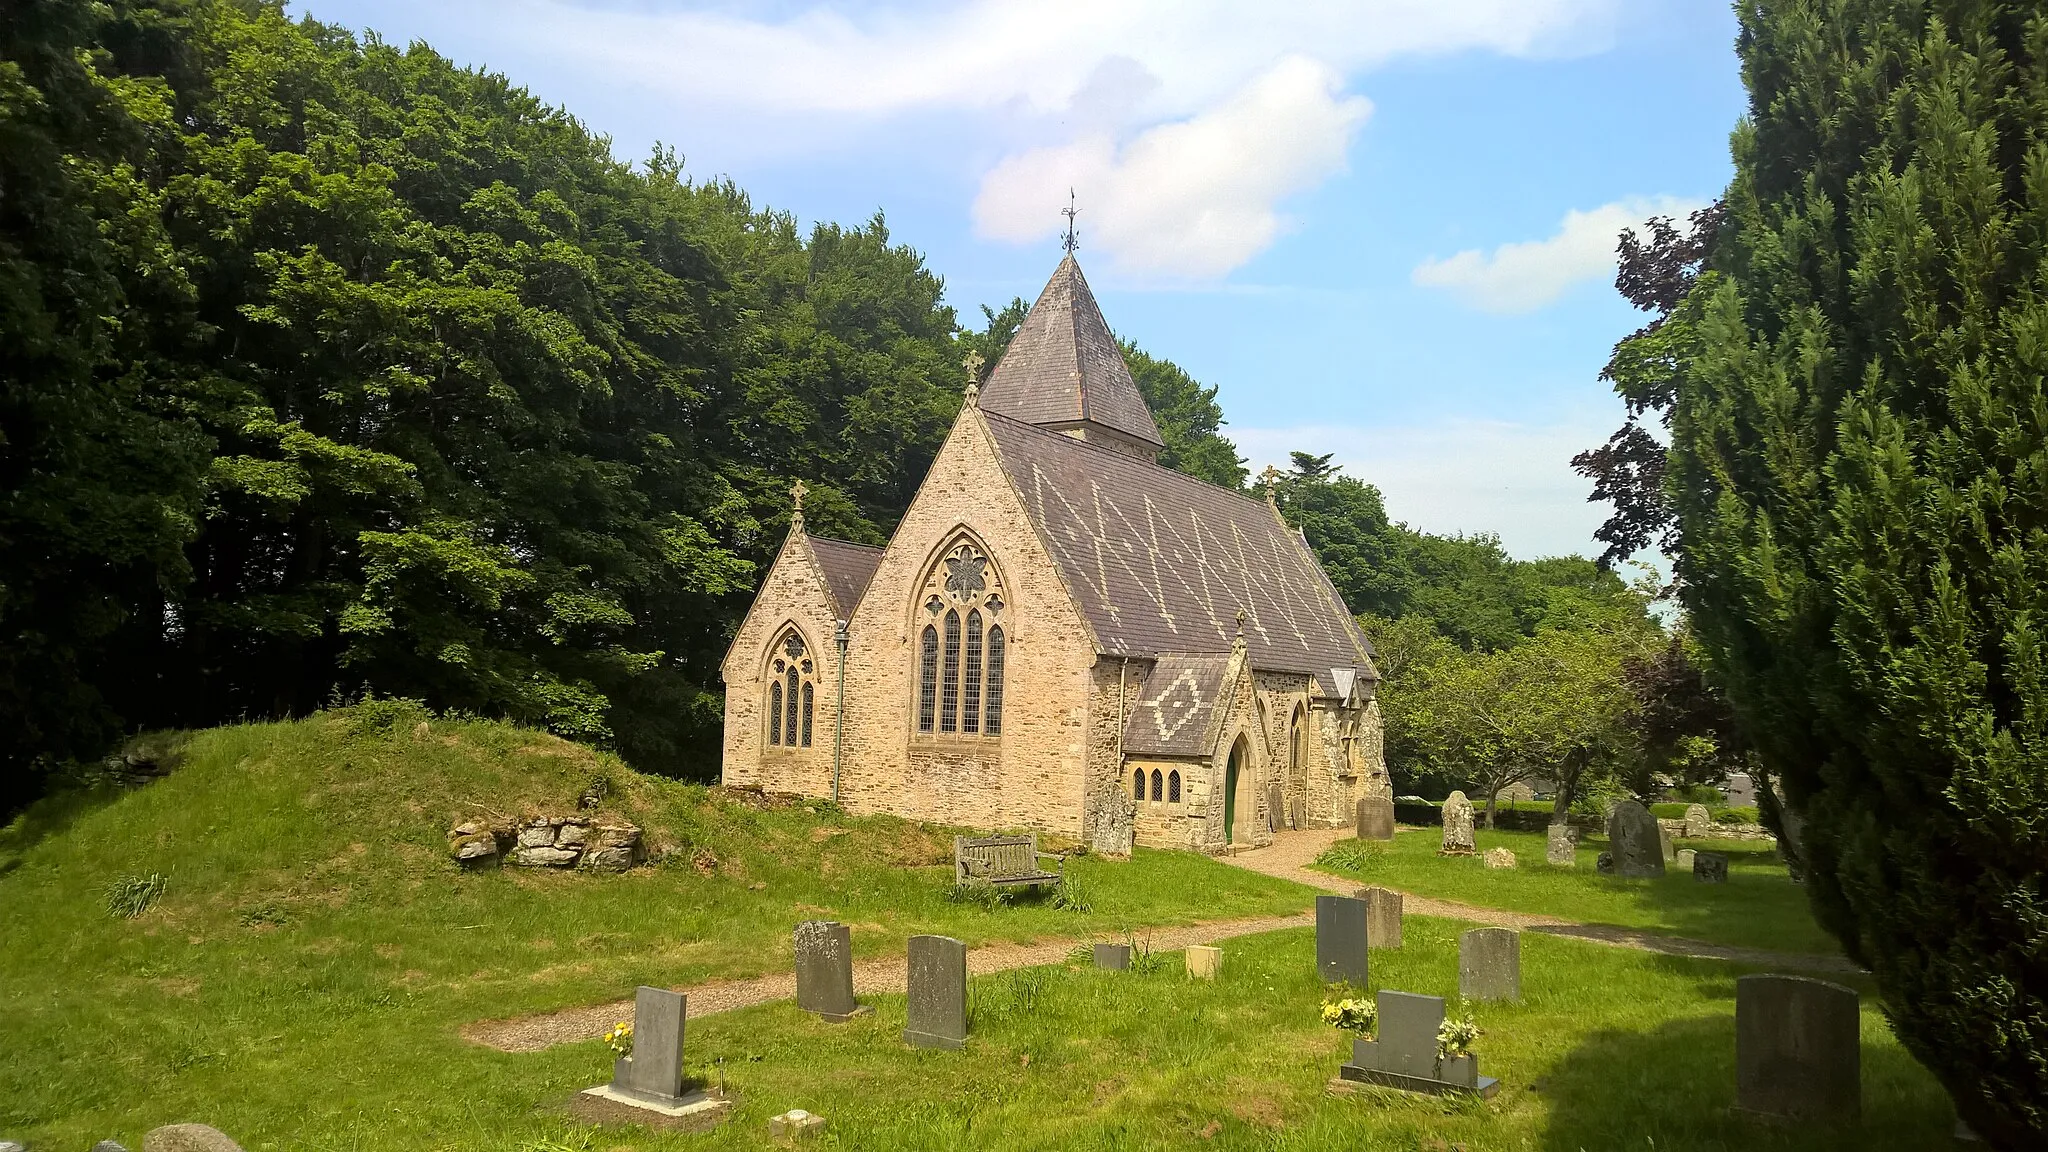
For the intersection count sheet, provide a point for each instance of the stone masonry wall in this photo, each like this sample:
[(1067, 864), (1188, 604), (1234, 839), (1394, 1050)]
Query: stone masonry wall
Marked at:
[(792, 593)]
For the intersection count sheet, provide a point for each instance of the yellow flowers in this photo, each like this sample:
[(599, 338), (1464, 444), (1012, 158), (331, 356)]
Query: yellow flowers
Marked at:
[(1353, 1014), (620, 1038)]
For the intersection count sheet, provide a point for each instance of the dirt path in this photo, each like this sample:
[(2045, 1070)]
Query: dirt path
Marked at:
[(1288, 858), (881, 974), (1291, 854)]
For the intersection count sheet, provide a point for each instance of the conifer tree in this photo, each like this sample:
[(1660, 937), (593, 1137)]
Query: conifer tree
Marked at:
[(1860, 472)]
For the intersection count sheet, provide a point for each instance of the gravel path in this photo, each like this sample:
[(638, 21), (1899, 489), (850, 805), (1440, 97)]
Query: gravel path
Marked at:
[(1287, 858)]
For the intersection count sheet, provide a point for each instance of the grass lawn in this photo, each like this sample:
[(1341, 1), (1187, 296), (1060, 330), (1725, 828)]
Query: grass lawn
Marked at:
[(302, 977), (1759, 907)]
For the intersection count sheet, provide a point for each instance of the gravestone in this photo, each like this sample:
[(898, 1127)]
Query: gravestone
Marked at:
[(1276, 810), (11, 1146), (1710, 867), (1636, 841), (1560, 848), (1604, 864), (1382, 916), (1699, 824), (1797, 1054), (1686, 856), (1457, 826), (1490, 964), (1204, 962), (1376, 816), (1117, 956), (1498, 858), (938, 993), (1404, 1055), (188, 1138), (824, 970), (794, 1126), (1340, 940), (1667, 846), (647, 1086), (110, 1146)]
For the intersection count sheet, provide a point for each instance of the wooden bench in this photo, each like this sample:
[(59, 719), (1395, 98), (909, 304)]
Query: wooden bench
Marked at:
[(1002, 860)]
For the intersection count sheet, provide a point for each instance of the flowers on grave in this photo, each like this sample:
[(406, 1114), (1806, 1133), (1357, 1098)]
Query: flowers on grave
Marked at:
[(620, 1038), (1351, 1014), (1455, 1037)]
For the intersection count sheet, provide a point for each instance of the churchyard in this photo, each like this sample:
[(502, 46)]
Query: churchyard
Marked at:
[(305, 978)]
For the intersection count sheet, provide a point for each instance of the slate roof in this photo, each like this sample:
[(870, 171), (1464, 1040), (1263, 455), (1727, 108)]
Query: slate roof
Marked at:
[(1064, 368), (1171, 716), (848, 568), (1162, 562)]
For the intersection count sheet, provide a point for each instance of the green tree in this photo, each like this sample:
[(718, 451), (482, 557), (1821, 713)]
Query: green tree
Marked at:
[(1859, 436)]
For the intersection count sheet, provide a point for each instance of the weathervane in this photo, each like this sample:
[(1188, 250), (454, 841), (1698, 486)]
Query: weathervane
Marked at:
[(1072, 239)]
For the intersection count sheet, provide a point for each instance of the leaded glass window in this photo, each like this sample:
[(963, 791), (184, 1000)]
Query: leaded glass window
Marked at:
[(970, 704), (992, 695), (1158, 786), (1137, 783), (949, 676), (807, 716), (1173, 787), (789, 717), (792, 692), (775, 712), (928, 680)]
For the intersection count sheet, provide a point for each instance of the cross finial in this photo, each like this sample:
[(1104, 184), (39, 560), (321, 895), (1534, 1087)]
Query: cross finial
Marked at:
[(973, 364), (1072, 239), (797, 492), (1240, 623), (1271, 476)]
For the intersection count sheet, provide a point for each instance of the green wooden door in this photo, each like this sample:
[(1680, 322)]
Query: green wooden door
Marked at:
[(1230, 794)]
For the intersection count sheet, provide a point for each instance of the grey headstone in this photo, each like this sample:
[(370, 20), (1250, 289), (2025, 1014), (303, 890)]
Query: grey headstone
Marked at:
[(1382, 916), (1797, 1053), (1457, 826), (1686, 856), (1710, 867), (1408, 1026), (1117, 956), (1560, 848), (1340, 940), (188, 1138), (1698, 823), (1636, 840), (938, 993), (1376, 817), (655, 1069), (824, 969), (1490, 964), (1667, 845), (109, 1146)]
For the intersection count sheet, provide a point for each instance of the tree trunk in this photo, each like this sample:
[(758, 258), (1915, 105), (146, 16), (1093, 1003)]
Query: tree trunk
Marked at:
[(1492, 799)]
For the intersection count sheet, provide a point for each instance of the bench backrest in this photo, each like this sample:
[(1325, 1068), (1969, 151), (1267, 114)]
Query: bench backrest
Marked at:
[(995, 857)]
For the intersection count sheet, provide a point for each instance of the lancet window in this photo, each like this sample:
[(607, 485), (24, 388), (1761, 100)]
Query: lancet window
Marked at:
[(962, 646), (792, 692)]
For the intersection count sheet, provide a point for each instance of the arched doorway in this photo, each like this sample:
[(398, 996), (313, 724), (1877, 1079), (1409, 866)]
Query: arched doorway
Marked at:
[(1233, 779)]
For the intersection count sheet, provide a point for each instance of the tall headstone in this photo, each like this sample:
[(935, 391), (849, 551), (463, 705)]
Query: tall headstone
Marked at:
[(938, 993), (1113, 956), (1457, 826), (1698, 823), (654, 1072), (824, 970), (1667, 844), (1382, 916), (1710, 867), (1561, 849), (1490, 964), (1797, 1053), (1636, 841), (1340, 940), (1376, 816)]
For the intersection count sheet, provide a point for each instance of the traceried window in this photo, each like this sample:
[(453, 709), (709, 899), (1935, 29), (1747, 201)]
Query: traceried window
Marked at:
[(792, 692), (962, 645)]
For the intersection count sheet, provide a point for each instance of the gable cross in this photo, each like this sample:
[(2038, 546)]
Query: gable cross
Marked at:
[(796, 493)]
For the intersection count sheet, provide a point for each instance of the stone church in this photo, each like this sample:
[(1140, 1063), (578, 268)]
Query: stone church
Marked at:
[(1062, 634)]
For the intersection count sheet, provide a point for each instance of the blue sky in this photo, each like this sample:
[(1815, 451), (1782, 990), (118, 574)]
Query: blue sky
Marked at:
[(1384, 228)]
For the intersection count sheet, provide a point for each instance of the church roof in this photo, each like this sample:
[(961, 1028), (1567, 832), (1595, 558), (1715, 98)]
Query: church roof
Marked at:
[(1159, 561), (1172, 715), (848, 567), (1063, 368)]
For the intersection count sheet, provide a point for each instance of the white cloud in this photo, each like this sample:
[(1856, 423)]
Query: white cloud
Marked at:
[(1192, 198), (1464, 476), (1525, 276)]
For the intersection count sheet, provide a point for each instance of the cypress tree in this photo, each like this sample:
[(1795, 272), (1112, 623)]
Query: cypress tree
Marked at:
[(1860, 472)]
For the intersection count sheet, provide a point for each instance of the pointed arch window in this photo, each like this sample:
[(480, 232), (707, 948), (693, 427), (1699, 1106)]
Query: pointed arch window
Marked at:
[(1137, 783), (962, 645), (792, 692), (1173, 787), (1158, 786)]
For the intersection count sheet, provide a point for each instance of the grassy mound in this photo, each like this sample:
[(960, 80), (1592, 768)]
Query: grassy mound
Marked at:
[(313, 949)]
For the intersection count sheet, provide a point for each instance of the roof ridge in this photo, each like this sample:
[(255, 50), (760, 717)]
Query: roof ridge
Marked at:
[(1125, 456), (846, 543)]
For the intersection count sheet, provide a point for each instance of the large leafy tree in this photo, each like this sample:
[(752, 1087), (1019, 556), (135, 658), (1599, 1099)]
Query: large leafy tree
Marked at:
[(1860, 440)]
